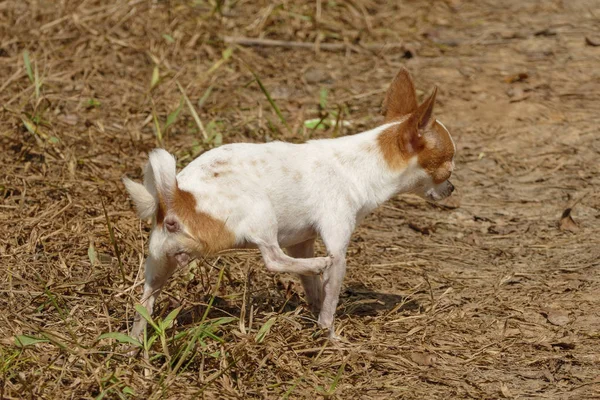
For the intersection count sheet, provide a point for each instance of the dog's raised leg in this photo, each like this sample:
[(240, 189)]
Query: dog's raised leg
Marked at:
[(277, 261), (157, 272), (313, 286), (265, 238)]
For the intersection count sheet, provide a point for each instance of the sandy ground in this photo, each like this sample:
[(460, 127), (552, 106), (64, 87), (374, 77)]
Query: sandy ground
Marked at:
[(487, 295)]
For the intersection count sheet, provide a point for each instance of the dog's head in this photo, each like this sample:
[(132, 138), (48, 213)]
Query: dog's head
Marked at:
[(417, 142)]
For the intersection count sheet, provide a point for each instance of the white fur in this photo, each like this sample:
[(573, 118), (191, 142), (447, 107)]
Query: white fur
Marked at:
[(145, 202), (299, 183), (159, 177), (164, 170), (277, 195)]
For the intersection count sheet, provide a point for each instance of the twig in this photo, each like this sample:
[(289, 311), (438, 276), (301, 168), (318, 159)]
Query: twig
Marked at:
[(244, 41)]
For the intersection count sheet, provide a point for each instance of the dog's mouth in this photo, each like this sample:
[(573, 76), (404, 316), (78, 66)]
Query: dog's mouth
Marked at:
[(182, 258), (435, 195)]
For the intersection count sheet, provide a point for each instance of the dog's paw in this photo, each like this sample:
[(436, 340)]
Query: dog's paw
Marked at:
[(334, 337), (328, 262), (325, 325), (322, 264), (315, 309)]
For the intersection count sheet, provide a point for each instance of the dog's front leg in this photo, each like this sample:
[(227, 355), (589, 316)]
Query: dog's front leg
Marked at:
[(313, 286), (157, 272), (336, 238)]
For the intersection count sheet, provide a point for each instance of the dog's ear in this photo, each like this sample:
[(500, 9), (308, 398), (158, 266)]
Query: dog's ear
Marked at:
[(411, 130), (400, 98), (422, 116)]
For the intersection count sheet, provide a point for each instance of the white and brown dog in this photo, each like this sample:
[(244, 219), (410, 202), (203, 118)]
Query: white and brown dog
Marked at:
[(281, 195)]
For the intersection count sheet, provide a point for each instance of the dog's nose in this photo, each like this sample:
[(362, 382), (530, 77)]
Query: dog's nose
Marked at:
[(451, 186), (172, 225)]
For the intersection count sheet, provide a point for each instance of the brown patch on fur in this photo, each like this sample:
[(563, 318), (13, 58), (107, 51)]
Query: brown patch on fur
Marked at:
[(423, 114), (392, 146), (209, 234), (160, 212), (404, 140), (437, 159), (400, 98)]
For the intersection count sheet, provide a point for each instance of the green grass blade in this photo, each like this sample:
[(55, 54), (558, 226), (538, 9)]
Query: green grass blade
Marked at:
[(157, 129), (113, 240), (268, 96), (171, 118), (121, 338), (193, 112), (92, 254), (323, 98), (168, 38), (264, 330), (155, 77), (37, 82), (201, 330), (28, 66), (205, 96), (226, 56), (166, 323), (336, 380), (24, 340), (222, 321), (144, 313)]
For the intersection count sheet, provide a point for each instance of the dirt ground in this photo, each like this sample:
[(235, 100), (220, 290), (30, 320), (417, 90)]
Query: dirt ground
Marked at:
[(488, 295)]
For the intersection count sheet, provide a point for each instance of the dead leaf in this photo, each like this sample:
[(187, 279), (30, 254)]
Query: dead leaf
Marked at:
[(520, 77), (454, 4), (564, 345), (424, 359), (545, 32), (70, 119), (505, 391), (473, 239), (555, 316), (424, 229), (592, 41), (315, 75), (516, 94), (567, 223), (501, 229), (452, 202)]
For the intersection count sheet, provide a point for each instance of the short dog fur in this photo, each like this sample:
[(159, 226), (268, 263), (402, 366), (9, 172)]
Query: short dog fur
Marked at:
[(281, 195)]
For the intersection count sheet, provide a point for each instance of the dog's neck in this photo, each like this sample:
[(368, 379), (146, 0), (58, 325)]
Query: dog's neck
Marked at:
[(368, 176)]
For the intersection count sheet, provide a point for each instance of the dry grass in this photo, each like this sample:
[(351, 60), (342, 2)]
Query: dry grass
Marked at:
[(483, 297)]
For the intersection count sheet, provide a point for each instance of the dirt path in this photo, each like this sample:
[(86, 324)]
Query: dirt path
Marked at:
[(485, 296)]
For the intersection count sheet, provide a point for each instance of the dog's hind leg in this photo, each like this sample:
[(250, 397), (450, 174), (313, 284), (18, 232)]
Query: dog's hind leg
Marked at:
[(277, 261), (313, 287), (263, 233)]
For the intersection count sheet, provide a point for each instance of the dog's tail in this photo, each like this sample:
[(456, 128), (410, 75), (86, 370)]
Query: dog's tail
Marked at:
[(159, 183)]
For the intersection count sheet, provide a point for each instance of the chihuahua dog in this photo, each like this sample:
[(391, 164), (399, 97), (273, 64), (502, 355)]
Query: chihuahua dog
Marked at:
[(280, 195)]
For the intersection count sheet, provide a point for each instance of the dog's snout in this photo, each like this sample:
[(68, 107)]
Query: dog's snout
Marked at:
[(450, 186), (172, 225)]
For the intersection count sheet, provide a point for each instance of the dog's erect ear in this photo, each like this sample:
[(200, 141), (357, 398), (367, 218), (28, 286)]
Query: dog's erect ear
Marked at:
[(411, 130), (400, 98), (422, 116)]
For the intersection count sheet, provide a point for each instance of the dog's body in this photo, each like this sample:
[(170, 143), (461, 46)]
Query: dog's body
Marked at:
[(278, 195)]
